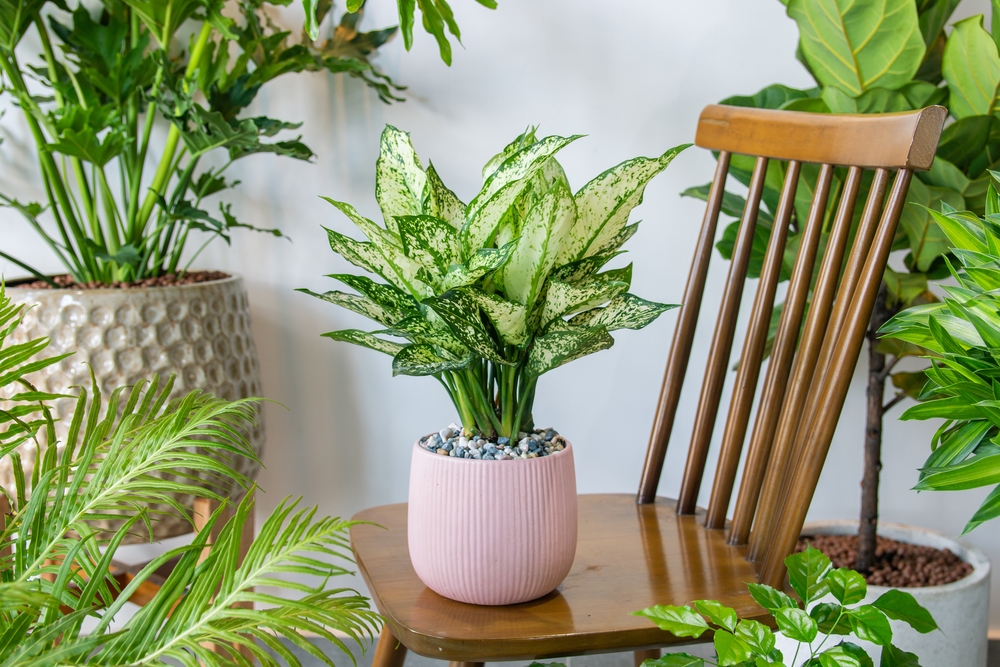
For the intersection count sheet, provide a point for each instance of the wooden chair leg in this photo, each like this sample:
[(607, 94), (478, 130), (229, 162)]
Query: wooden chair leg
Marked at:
[(639, 657), (390, 652), (203, 509)]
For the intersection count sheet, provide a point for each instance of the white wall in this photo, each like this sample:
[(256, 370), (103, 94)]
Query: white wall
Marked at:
[(633, 76)]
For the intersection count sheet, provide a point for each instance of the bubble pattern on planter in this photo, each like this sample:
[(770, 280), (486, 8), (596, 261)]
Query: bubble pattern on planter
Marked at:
[(199, 332)]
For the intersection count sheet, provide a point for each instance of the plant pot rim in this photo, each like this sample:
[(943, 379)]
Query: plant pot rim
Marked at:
[(420, 451), (232, 277), (924, 537)]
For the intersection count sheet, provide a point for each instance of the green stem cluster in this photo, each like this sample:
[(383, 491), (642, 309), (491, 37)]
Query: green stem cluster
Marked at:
[(492, 398)]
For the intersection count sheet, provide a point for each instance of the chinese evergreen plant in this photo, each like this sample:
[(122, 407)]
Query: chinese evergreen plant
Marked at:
[(813, 624), (878, 56), (962, 338), (55, 568), (487, 297), (107, 73)]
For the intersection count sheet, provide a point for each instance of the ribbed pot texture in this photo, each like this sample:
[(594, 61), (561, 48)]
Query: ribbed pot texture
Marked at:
[(492, 532)]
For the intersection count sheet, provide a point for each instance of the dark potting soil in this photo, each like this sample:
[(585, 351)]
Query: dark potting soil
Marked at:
[(897, 564), (168, 280)]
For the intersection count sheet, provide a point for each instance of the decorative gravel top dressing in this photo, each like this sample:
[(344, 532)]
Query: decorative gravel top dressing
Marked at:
[(449, 441)]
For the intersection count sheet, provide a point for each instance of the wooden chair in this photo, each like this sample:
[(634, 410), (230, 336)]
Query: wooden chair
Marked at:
[(636, 552)]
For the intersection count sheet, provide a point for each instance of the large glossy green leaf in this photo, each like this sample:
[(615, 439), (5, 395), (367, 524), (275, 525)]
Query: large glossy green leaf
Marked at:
[(544, 233), (771, 598), (870, 624), (970, 474), (561, 346), (400, 181), (807, 571), (775, 96), (679, 621), (989, 509), (831, 619), (856, 45), (972, 69), (847, 586), (717, 613), (838, 656), (757, 635), (893, 656), (902, 606), (502, 187), (796, 624), (605, 203), (730, 649)]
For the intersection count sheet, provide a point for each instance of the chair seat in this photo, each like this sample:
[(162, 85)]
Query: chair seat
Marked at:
[(628, 557)]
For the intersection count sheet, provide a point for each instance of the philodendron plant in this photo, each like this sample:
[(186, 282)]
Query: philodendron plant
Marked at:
[(488, 296), (962, 337), (830, 608)]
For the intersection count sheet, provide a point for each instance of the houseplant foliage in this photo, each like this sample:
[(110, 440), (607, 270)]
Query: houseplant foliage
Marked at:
[(113, 212), (823, 630), (488, 296), (962, 337), (55, 569), (879, 56)]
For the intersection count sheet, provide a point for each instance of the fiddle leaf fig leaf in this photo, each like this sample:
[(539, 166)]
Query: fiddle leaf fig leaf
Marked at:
[(423, 359), (972, 68), (562, 346), (679, 621), (502, 188), (400, 181), (604, 205), (859, 45), (365, 339)]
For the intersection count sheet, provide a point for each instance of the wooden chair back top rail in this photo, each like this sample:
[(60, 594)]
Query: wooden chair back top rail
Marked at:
[(807, 380), (905, 140)]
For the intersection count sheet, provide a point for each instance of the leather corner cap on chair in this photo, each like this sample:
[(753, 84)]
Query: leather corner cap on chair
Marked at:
[(636, 552)]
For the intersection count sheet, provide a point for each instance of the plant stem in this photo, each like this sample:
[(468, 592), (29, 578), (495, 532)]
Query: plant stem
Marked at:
[(868, 524)]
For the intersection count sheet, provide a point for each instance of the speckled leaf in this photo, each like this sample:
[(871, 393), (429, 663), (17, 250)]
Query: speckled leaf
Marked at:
[(619, 239), (972, 68), (546, 226), (400, 182), (417, 329), (561, 346), (395, 300), (510, 319), (388, 245), (626, 311), (481, 264), (522, 140), (566, 299), (365, 339), (430, 241), (358, 304), (604, 204), (582, 269), (447, 205), (364, 255), (460, 310), (424, 360), (502, 187), (859, 44)]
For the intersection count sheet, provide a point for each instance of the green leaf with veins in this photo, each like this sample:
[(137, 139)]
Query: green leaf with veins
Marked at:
[(717, 613), (796, 624), (972, 68), (771, 599), (807, 572), (902, 606), (679, 621), (870, 624)]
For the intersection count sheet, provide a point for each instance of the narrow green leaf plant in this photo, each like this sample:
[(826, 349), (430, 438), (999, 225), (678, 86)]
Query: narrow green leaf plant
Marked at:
[(488, 296)]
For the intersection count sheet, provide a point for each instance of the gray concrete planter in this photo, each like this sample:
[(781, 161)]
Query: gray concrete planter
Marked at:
[(960, 608), (199, 332)]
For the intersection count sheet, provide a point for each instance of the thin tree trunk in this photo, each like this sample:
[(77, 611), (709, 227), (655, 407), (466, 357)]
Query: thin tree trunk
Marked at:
[(868, 525)]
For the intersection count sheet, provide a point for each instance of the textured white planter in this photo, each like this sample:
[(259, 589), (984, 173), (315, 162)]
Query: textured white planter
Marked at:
[(960, 608), (199, 332), (492, 532)]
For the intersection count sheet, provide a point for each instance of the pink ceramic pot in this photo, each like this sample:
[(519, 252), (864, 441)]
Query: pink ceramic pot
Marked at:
[(492, 532)]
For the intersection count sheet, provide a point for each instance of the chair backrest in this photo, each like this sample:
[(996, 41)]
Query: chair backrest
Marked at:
[(809, 373)]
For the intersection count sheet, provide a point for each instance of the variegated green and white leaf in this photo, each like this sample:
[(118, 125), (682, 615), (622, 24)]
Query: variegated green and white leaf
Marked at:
[(566, 299), (545, 228), (461, 311), (424, 360), (510, 319), (400, 182), (361, 305), (394, 300), (563, 345), (430, 241), (605, 203), (502, 188), (615, 243), (365, 339), (522, 140), (582, 268), (390, 247), (444, 202), (364, 255), (622, 275), (417, 329), (481, 264), (626, 311)]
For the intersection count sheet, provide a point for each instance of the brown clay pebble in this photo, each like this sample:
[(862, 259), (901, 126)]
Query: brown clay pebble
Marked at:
[(897, 564), (168, 280)]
